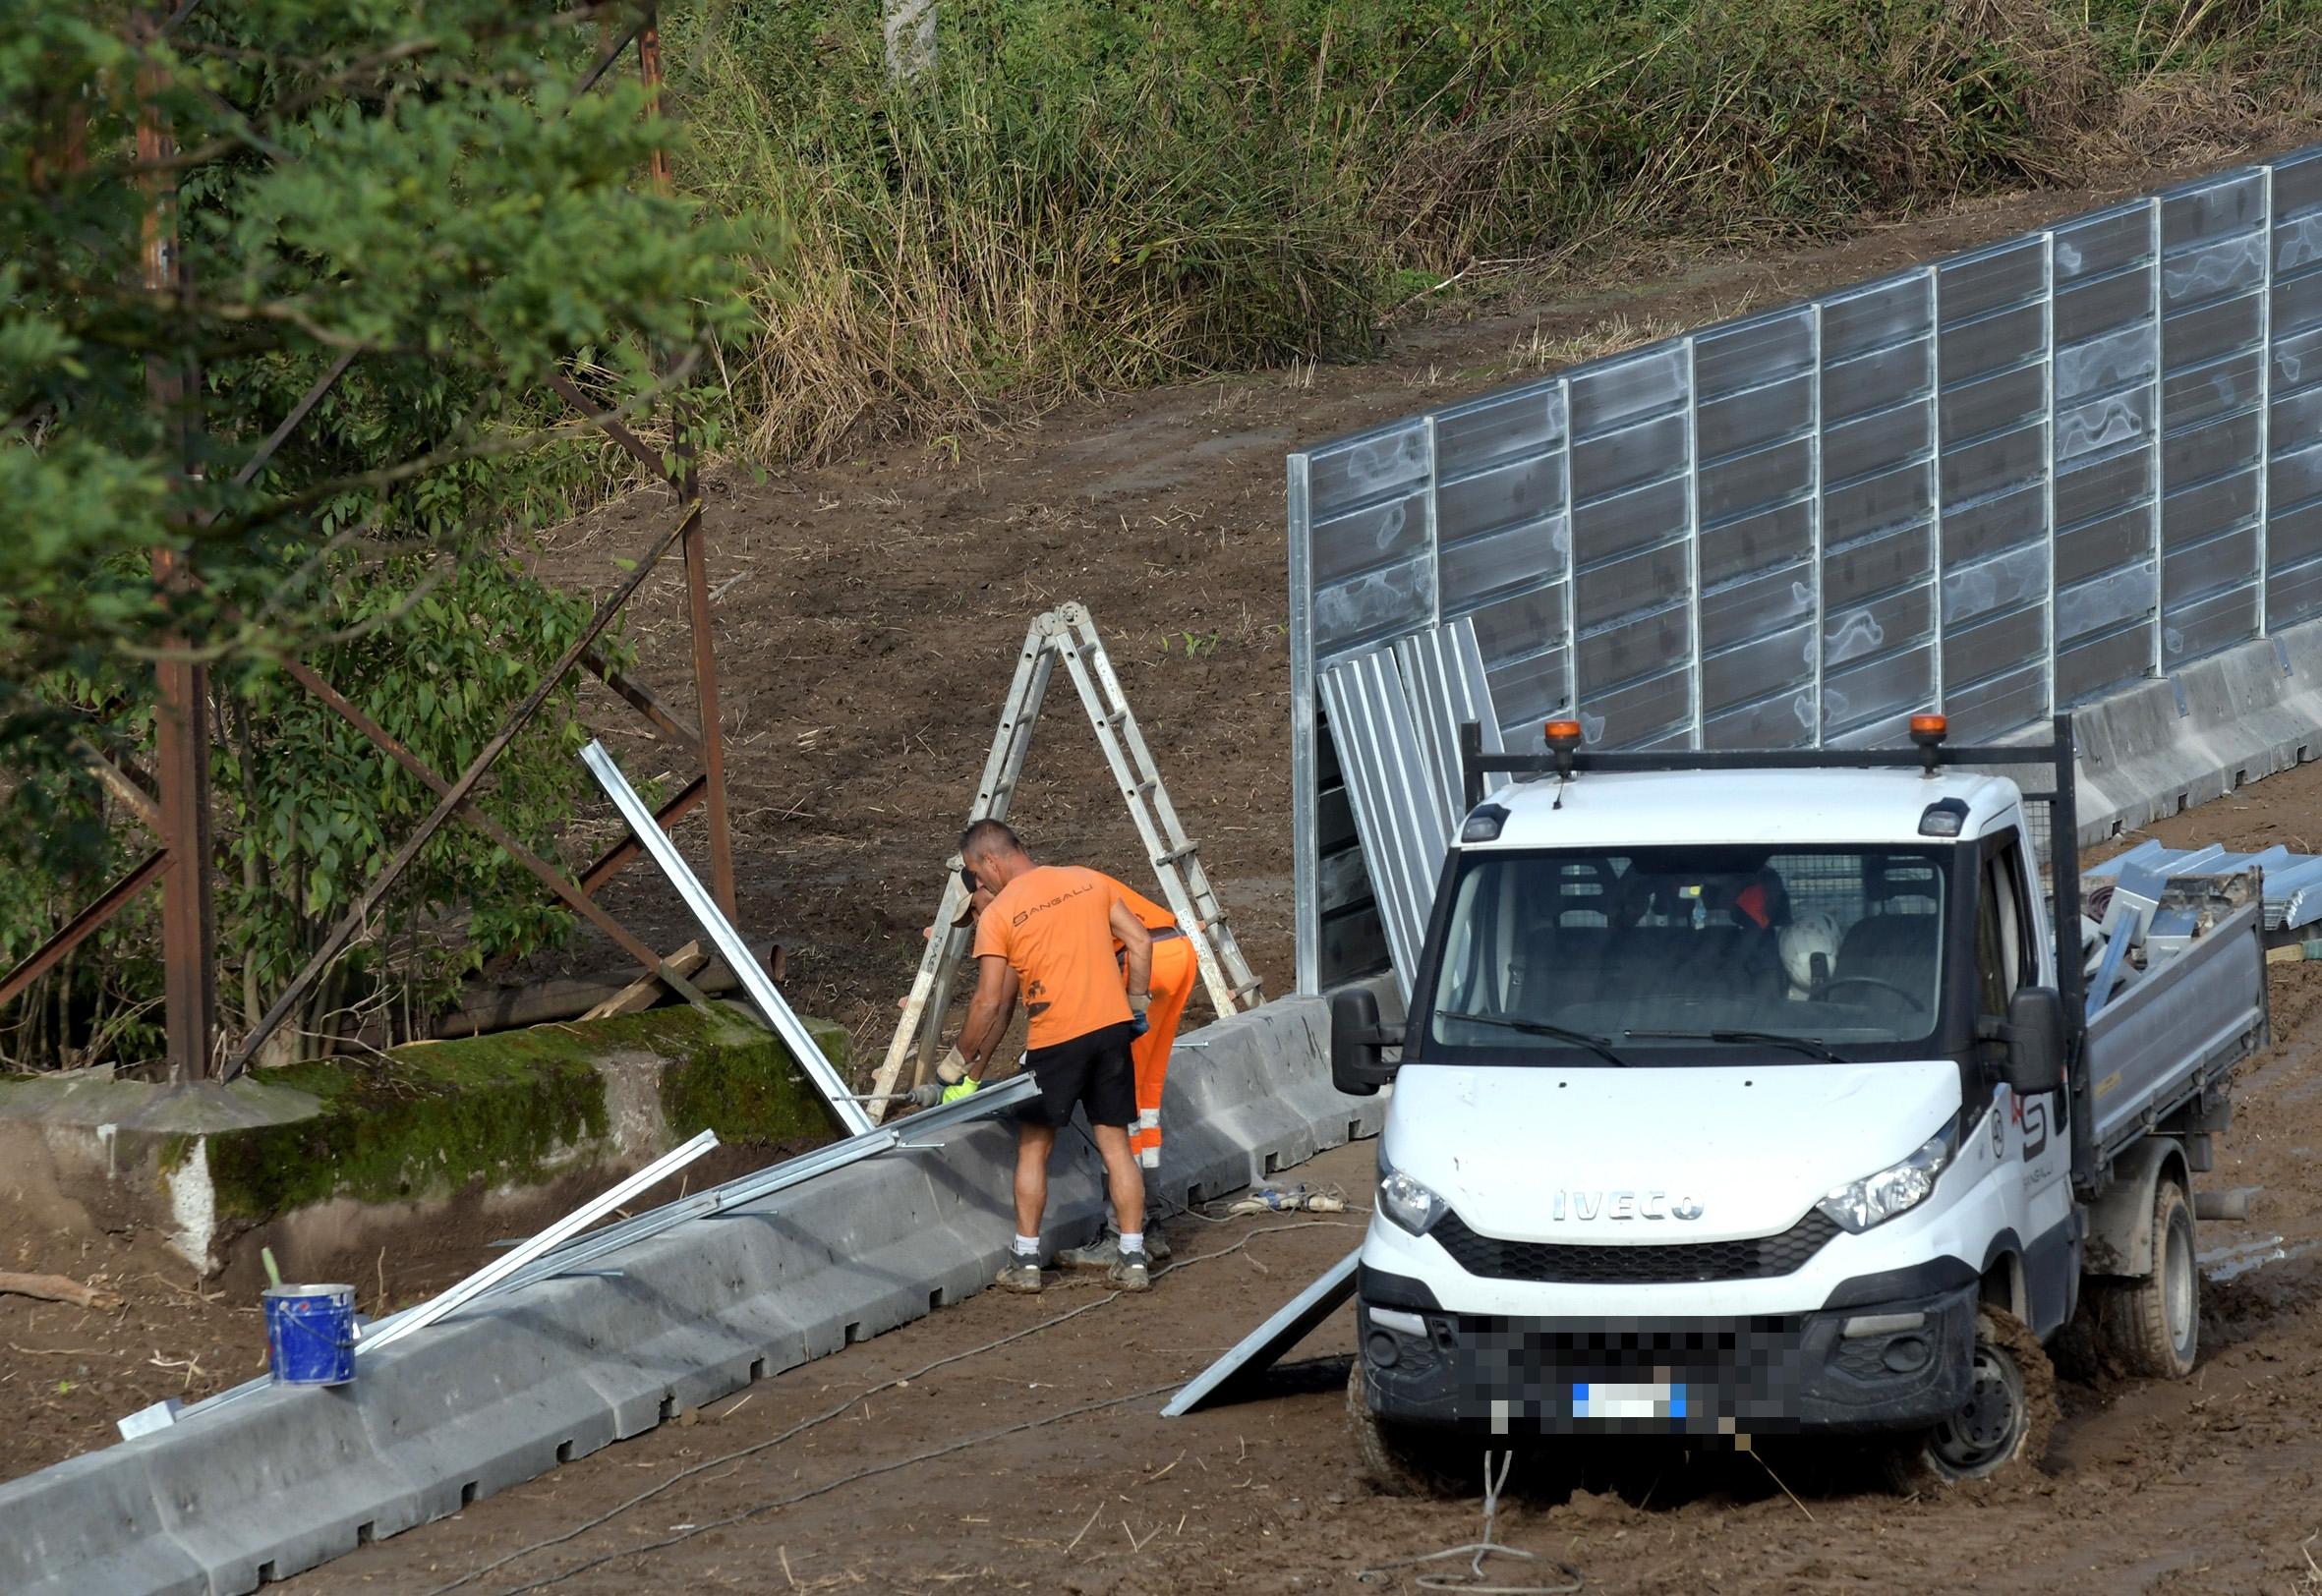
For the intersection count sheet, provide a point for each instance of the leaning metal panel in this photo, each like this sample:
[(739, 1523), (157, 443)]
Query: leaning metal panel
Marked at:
[(1444, 682), (1399, 811), (2004, 483)]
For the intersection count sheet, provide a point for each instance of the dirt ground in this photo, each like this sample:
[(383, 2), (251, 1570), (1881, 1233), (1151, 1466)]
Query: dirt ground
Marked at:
[(868, 617)]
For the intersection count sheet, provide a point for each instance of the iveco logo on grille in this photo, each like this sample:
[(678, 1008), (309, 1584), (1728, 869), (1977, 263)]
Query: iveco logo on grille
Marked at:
[(1622, 1205)]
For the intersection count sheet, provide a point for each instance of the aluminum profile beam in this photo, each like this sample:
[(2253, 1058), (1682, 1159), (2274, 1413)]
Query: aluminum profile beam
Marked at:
[(548, 1240), (1264, 1346), (728, 941)]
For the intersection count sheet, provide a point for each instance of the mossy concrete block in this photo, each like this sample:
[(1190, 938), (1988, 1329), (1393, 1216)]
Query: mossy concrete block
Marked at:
[(342, 1151)]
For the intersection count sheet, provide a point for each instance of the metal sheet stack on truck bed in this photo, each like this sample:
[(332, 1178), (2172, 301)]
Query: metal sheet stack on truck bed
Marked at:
[(1752, 1092)]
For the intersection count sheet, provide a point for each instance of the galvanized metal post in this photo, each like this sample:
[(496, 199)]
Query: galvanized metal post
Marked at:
[(1815, 647), (1306, 795), (189, 938), (2265, 410), (2153, 482), (687, 480), (1571, 561), (1693, 664), (2048, 458), (1934, 481)]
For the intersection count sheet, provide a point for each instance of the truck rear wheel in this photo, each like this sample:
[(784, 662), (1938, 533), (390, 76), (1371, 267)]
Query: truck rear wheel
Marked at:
[(2006, 1418), (1396, 1461), (2153, 1326)]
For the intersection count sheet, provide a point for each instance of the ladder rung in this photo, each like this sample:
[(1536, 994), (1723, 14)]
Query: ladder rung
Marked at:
[(1162, 861), (1146, 789), (1249, 987)]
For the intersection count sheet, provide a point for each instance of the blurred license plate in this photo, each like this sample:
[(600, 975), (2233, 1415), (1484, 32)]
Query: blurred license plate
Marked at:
[(1649, 1399)]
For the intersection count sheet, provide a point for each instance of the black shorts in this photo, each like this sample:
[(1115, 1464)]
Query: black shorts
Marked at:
[(1092, 1071)]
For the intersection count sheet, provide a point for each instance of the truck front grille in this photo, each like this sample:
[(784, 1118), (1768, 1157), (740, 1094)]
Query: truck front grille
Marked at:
[(1756, 1258)]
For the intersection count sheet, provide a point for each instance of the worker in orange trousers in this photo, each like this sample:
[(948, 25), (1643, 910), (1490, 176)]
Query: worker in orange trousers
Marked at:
[(1174, 970)]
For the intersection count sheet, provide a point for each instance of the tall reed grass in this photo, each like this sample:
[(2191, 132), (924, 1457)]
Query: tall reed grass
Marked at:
[(1101, 194)]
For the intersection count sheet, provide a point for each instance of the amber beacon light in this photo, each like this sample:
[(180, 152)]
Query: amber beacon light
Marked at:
[(1563, 737), (1928, 731)]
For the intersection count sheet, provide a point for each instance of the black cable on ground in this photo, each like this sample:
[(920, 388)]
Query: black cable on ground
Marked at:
[(803, 1425), (796, 1497)]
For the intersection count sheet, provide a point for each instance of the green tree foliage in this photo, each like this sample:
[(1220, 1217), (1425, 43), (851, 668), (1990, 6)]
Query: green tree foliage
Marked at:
[(418, 190)]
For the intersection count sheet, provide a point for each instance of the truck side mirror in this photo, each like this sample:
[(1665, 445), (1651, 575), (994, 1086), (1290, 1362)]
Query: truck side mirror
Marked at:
[(2035, 1041), (1357, 1044)]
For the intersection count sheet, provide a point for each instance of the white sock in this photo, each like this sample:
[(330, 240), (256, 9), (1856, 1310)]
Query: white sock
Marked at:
[(1027, 1246), (1132, 1241)]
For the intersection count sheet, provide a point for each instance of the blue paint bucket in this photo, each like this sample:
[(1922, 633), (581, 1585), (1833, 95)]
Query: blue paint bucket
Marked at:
[(311, 1330)]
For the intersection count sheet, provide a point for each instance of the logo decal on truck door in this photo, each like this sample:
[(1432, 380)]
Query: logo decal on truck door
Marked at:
[(2032, 1114)]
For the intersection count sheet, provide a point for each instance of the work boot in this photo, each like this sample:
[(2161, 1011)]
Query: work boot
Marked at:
[(1020, 1273), (1100, 1253), (1130, 1271)]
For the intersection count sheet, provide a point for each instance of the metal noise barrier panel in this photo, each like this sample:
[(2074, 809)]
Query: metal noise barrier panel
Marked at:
[(2004, 483), (1398, 710)]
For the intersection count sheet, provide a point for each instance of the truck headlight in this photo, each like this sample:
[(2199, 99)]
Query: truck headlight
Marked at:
[(1407, 1202), (1897, 1189)]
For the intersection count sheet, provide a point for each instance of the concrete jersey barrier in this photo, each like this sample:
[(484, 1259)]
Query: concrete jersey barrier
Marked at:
[(506, 1390)]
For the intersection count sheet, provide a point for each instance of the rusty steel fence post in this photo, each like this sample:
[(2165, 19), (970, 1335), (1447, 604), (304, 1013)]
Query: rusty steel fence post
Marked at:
[(687, 482), (189, 935)]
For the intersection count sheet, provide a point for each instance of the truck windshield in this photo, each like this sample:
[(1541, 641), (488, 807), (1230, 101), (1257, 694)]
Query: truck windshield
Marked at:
[(1666, 956)]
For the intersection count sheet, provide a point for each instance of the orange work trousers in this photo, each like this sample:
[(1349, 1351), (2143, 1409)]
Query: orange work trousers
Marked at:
[(1174, 970)]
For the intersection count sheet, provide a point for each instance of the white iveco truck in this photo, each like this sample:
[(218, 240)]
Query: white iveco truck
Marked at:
[(1744, 1093)]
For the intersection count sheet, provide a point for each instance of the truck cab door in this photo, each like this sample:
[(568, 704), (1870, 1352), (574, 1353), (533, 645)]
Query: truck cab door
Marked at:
[(2012, 951)]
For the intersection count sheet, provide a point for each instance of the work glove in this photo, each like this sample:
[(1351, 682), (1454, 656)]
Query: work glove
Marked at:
[(953, 1093), (953, 1068), (1138, 1002)]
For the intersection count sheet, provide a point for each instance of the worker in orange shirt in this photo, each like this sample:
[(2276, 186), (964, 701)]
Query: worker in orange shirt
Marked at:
[(1049, 935), (1174, 970)]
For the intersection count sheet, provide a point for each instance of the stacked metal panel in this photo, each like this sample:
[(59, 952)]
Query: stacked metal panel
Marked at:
[(2292, 882), (2004, 483)]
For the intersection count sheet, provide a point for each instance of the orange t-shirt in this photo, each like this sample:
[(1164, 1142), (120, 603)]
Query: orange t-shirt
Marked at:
[(1052, 924)]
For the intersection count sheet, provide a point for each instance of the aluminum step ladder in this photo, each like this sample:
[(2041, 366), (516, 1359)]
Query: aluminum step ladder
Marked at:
[(1067, 635)]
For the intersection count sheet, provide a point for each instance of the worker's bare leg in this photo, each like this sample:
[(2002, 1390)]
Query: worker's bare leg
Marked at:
[(1033, 1144), (1126, 1180)]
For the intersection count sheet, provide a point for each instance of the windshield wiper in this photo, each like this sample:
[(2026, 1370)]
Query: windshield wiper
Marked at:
[(1773, 1039), (1599, 1046)]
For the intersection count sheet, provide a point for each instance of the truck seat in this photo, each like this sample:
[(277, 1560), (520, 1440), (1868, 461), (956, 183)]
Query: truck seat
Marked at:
[(1896, 948)]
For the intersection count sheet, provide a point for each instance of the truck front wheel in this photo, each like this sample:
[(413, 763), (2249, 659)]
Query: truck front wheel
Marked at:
[(1395, 1459), (2153, 1325), (2006, 1418)]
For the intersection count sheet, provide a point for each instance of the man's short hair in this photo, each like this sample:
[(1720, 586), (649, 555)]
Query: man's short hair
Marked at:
[(988, 836)]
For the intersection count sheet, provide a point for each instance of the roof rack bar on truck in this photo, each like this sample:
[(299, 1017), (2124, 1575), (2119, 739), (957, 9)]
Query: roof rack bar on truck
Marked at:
[(1565, 759)]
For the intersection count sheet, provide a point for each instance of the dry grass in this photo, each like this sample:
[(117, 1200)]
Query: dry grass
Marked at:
[(1086, 200)]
